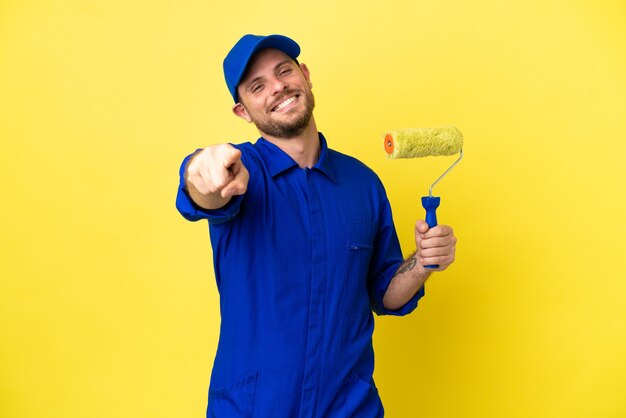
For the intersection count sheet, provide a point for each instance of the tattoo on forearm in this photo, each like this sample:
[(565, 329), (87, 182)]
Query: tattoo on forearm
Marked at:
[(407, 266)]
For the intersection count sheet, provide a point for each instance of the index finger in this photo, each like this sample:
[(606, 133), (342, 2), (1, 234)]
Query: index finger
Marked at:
[(232, 157), (438, 231)]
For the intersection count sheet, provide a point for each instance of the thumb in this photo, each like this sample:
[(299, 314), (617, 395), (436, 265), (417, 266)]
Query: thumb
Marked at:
[(421, 227)]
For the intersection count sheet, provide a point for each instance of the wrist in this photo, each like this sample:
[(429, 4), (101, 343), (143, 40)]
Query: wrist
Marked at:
[(422, 272)]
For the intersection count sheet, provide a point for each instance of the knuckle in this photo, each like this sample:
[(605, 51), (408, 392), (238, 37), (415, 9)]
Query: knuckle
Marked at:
[(212, 189), (192, 168), (195, 181), (218, 183), (200, 186)]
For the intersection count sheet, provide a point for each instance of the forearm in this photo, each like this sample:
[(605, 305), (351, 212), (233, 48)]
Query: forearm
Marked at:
[(406, 282)]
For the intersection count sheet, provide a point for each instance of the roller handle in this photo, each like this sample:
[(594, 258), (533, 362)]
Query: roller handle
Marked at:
[(431, 204)]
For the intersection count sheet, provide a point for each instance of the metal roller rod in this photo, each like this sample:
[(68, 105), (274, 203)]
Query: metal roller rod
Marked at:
[(430, 191)]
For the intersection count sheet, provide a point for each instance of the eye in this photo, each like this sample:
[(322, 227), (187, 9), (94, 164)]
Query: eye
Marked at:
[(286, 71), (257, 88)]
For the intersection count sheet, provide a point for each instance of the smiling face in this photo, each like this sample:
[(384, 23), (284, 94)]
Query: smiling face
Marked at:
[(275, 94)]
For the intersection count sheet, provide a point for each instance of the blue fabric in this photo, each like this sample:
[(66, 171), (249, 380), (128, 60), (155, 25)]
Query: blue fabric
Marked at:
[(301, 262)]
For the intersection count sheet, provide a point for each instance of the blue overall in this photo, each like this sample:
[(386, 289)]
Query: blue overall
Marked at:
[(301, 260)]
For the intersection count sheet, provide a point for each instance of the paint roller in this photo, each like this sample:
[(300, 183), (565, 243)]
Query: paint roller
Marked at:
[(424, 142)]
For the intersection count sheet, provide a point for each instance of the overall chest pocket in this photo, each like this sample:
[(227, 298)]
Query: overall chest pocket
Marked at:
[(360, 246)]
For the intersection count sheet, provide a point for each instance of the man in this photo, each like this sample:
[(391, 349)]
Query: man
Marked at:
[(304, 250)]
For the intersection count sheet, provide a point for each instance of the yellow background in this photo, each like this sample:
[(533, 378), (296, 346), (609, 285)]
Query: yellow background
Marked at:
[(108, 306)]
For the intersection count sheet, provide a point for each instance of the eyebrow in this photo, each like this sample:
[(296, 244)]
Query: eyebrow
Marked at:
[(255, 79)]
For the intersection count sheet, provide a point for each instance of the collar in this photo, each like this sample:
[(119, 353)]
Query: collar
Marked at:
[(278, 161)]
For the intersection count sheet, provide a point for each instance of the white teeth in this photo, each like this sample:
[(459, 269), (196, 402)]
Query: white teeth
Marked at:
[(285, 103)]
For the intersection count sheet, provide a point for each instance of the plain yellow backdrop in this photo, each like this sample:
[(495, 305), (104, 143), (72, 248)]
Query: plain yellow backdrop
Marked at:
[(108, 306)]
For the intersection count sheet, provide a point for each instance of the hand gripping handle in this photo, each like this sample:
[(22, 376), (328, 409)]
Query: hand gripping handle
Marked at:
[(431, 204)]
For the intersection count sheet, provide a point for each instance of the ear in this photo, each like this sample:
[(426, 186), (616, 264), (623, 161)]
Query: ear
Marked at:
[(307, 75), (240, 110)]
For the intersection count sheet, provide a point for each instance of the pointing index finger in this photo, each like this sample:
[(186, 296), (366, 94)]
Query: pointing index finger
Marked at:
[(231, 157)]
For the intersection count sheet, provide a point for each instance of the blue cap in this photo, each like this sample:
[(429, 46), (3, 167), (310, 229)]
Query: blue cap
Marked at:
[(237, 59)]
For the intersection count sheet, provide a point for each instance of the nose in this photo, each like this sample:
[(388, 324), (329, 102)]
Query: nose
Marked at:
[(278, 85)]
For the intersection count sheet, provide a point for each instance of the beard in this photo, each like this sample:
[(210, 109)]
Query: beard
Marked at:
[(279, 129)]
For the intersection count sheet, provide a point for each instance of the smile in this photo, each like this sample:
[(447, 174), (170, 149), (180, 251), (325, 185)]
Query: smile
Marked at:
[(284, 104)]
